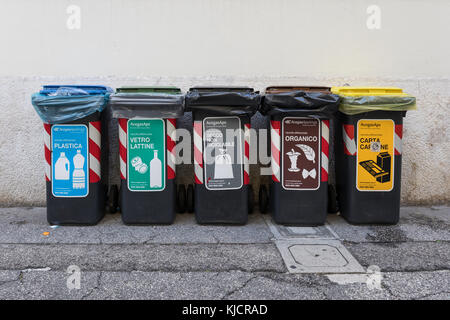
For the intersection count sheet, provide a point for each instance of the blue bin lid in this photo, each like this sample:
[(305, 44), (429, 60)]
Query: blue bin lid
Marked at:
[(92, 90)]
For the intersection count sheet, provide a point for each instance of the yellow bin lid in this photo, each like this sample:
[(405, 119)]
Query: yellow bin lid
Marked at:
[(368, 91)]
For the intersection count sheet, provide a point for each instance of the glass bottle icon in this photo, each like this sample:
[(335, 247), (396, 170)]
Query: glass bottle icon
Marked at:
[(78, 176), (62, 167), (155, 171)]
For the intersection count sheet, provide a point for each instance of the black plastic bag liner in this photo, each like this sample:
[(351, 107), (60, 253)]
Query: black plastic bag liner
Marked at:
[(223, 100), (356, 100), (302, 101), (66, 103), (147, 102)]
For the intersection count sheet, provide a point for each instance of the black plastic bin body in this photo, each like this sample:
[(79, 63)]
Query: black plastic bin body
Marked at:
[(87, 210), (363, 207), (233, 106), (299, 188), (68, 205), (146, 207), (154, 105)]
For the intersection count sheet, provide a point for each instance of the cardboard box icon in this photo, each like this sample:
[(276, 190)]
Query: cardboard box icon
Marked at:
[(384, 162)]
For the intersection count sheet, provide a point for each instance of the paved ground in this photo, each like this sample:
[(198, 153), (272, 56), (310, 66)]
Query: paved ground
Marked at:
[(257, 261)]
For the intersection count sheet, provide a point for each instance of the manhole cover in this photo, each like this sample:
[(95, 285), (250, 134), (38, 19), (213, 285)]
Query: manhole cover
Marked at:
[(317, 255), (312, 255)]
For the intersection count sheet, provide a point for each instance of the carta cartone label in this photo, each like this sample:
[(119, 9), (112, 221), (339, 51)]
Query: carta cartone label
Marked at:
[(222, 153), (146, 155), (70, 164), (300, 153), (375, 155)]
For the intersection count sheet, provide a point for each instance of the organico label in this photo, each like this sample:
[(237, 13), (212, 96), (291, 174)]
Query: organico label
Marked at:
[(70, 164), (222, 153), (375, 155), (300, 153), (146, 155)]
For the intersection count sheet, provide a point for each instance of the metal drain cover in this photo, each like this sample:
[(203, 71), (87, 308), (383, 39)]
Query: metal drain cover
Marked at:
[(317, 256)]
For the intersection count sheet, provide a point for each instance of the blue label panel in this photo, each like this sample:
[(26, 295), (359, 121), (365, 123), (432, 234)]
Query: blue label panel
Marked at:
[(70, 160)]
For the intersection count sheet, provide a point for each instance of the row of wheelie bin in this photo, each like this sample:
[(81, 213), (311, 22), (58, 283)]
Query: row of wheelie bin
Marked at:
[(367, 126)]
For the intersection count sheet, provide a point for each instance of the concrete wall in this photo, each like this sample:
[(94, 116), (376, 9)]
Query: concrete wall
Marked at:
[(211, 42)]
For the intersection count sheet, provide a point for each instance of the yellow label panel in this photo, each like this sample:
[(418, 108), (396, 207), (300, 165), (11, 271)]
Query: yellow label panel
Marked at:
[(375, 155)]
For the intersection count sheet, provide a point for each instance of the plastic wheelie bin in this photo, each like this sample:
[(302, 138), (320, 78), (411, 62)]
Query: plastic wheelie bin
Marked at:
[(147, 137), (74, 154), (369, 153), (223, 194), (299, 144)]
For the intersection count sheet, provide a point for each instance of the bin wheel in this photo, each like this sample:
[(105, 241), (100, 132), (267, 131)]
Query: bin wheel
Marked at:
[(251, 199), (263, 199), (332, 199), (181, 199), (113, 199), (190, 202)]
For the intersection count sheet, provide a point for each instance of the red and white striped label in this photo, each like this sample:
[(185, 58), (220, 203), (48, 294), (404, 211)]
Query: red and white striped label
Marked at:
[(275, 138), (325, 142), (123, 147), (198, 152), (348, 136), (246, 153), (95, 151), (171, 142), (398, 135), (47, 151)]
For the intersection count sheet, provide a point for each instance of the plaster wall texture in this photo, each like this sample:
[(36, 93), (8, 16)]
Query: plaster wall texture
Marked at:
[(426, 143), (222, 42)]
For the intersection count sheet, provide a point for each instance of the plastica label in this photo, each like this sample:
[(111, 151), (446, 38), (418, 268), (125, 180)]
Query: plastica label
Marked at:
[(146, 155), (375, 155), (222, 153), (300, 153), (70, 164)]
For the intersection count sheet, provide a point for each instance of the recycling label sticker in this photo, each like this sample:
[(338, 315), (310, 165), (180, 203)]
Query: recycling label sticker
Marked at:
[(222, 153), (70, 164), (300, 153), (146, 155), (375, 155)]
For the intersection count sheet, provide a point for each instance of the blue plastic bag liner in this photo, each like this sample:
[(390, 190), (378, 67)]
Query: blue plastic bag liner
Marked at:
[(147, 102), (67, 103), (223, 100), (52, 90)]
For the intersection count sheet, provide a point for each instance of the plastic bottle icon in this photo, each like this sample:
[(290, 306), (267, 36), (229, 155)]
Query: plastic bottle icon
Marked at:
[(78, 176), (62, 167), (155, 171)]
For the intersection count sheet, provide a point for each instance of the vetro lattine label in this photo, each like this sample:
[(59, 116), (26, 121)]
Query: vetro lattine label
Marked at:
[(300, 153), (375, 155), (146, 155)]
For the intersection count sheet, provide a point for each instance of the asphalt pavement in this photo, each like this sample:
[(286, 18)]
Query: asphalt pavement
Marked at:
[(261, 260)]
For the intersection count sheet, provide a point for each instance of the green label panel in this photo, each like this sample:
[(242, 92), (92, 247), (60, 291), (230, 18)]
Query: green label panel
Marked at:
[(146, 155)]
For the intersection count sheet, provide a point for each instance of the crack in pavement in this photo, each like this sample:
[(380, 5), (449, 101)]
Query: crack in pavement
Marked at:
[(431, 295), (242, 286), (96, 287)]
